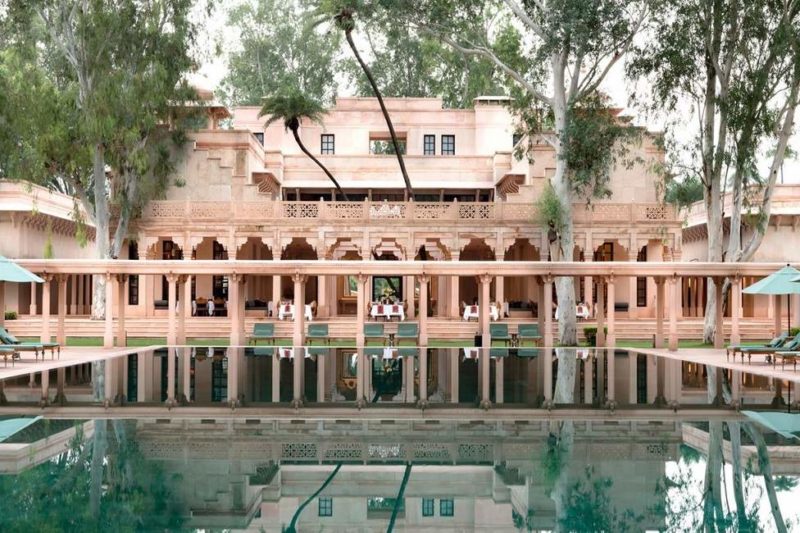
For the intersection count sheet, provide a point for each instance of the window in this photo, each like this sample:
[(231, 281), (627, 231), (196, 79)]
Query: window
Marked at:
[(448, 145), (325, 507), (446, 507), (427, 506), (133, 280), (429, 145), (515, 139), (641, 283), (259, 137), (219, 378), (384, 287), (386, 146), (327, 144), (219, 284)]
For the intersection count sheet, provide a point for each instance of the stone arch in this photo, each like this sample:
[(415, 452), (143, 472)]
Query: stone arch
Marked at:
[(299, 249), (388, 248), (344, 249), (475, 250), (521, 292), (432, 249)]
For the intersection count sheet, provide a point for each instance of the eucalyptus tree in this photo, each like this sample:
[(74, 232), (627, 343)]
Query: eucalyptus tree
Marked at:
[(737, 65), (343, 14), (293, 108), (556, 55), (276, 49), (119, 70)]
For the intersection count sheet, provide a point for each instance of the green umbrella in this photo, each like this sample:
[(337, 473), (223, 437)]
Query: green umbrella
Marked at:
[(778, 283), (10, 271), (785, 424)]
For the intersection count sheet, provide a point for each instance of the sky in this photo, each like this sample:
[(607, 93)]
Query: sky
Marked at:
[(220, 37)]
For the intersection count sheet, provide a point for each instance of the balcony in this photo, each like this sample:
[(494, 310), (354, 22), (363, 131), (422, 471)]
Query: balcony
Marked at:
[(396, 213)]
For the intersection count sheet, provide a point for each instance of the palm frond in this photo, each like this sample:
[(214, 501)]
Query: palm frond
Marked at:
[(293, 105)]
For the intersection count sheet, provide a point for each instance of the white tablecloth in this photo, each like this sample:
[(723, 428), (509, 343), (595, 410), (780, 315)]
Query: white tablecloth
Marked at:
[(472, 311), (288, 353), (581, 311), (387, 311), (287, 310)]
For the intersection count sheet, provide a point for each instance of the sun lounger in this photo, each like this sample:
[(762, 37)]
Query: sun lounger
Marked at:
[(737, 348), (7, 352), (792, 345), (785, 357), (7, 339)]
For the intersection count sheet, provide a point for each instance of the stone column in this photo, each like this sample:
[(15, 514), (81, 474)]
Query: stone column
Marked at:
[(611, 340), (547, 309), (659, 312), (423, 310), (180, 337), (486, 341), (498, 379), (322, 296), (455, 304), (674, 304), (73, 294), (45, 335), (409, 290), (122, 337), (276, 377), (500, 293), (81, 294), (186, 382), (423, 376), (61, 333), (172, 327), (235, 311), (587, 381), (321, 375), (611, 388), (235, 360), (298, 338), (45, 376), (276, 294), (361, 377), (632, 378), (601, 312), (736, 308), (719, 334), (361, 308), (108, 330), (454, 364), (33, 309)]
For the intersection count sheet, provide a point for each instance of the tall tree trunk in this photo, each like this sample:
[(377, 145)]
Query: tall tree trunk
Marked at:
[(565, 433), (349, 36), (713, 514), (319, 164), (99, 445), (735, 430), (102, 222), (765, 468)]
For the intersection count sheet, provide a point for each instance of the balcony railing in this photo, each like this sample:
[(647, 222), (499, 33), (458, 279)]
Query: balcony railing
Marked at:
[(389, 212)]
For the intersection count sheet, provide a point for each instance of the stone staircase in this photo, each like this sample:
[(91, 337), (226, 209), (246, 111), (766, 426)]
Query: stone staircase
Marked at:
[(345, 327)]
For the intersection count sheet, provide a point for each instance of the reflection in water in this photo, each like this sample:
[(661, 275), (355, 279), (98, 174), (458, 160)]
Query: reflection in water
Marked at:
[(570, 475), (123, 490)]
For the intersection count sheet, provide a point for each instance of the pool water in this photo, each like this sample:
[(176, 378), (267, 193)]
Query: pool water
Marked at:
[(370, 474)]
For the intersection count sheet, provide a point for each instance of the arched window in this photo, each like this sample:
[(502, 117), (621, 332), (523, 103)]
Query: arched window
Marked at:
[(641, 282)]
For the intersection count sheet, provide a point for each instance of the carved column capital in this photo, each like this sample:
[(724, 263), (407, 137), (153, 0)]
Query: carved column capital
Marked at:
[(424, 278), (485, 278), (299, 278), (122, 278), (171, 277)]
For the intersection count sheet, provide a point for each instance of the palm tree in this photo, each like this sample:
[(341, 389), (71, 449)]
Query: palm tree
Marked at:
[(292, 108), (343, 12)]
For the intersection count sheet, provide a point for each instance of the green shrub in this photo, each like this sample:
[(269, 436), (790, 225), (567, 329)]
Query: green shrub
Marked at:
[(793, 332), (590, 333), (11, 315)]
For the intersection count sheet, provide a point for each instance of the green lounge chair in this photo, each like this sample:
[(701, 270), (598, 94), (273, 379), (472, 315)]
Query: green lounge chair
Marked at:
[(374, 331), (318, 332), (7, 352), (6, 338), (528, 352), (496, 352), (737, 348), (407, 330), (499, 332), (529, 332), (792, 345), (263, 331)]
